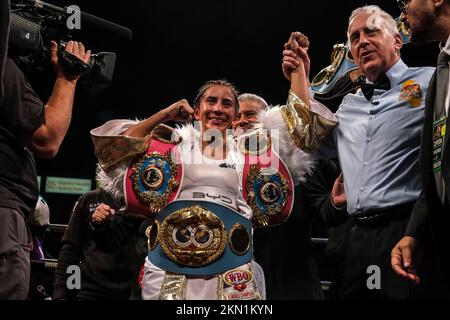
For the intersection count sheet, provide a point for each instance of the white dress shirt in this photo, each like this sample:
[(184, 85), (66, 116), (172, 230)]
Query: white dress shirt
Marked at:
[(446, 49)]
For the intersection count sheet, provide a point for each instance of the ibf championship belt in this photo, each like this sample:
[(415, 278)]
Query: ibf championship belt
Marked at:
[(199, 238), (153, 179), (267, 184)]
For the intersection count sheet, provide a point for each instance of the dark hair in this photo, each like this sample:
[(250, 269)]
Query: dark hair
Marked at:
[(209, 84)]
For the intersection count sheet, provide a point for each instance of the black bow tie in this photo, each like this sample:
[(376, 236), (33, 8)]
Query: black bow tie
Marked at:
[(382, 83)]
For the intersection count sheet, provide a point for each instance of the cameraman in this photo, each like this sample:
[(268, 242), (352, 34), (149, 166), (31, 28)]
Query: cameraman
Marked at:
[(27, 128)]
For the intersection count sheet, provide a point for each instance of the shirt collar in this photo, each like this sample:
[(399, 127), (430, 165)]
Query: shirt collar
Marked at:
[(445, 48), (395, 72)]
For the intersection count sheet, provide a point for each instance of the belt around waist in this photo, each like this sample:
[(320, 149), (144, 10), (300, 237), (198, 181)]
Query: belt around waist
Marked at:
[(199, 238), (396, 212)]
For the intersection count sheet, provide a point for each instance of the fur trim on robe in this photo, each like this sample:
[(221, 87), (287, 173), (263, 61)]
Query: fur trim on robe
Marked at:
[(299, 162)]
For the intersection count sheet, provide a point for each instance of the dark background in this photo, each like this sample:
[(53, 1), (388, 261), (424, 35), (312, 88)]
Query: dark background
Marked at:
[(177, 46)]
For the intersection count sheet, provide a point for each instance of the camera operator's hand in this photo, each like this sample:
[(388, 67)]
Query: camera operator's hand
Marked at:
[(73, 47), (45, 141)]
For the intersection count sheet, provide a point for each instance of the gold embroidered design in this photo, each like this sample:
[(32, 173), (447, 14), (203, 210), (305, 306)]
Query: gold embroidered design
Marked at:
[(166, 134), (193, 236), (173, 287), (306, 128), (152, 235), (110, 151)]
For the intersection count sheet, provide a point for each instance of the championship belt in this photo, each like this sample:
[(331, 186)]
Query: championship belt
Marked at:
[(199, 238), (267, 184), (337, 74), (153, 179)]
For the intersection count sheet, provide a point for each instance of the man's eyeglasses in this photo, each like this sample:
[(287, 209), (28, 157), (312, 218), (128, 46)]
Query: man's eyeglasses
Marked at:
[(403, 5)]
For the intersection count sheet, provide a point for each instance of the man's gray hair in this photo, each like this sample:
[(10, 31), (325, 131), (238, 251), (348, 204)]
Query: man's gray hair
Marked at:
[(253, 97), (378, 19)]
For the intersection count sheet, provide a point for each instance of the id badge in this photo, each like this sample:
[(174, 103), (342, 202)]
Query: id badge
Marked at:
[(438, 143)]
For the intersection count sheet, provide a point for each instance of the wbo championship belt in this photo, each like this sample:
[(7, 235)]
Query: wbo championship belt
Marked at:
[(267, 184), (199, 238), (153, 179)]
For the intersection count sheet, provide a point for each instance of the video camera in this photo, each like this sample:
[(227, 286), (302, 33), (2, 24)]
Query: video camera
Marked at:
[(34, 23)]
